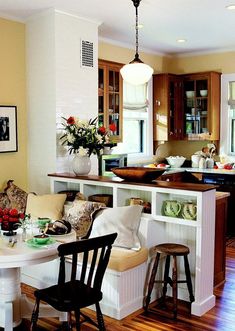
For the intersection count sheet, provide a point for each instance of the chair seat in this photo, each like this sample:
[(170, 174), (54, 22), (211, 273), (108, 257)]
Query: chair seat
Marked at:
[(69, 296), (172, 249)]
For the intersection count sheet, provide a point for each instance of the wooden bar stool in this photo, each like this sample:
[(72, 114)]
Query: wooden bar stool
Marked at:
[(173, 250)]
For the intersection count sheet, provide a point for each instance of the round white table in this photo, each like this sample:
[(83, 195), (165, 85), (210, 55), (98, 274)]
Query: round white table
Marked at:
[(13, 305)]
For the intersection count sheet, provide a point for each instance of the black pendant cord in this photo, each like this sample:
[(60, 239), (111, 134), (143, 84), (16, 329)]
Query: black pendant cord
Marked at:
[(136, 59), (136, 33)]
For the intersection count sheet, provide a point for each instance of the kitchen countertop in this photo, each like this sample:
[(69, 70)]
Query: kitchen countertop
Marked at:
[(163, 184), (208, 171)]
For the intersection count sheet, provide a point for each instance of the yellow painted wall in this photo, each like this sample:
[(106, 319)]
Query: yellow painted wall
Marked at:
[(124, 55), (221, 62), (13, 92)]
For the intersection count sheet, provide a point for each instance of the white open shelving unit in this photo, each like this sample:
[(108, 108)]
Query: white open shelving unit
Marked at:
[(197, 234)]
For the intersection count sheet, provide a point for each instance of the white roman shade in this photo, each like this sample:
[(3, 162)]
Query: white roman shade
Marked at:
[(135, 97), (231, 97)]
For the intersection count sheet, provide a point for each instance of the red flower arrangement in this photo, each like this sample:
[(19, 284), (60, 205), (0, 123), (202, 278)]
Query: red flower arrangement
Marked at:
[(9, 219), (85, 137)]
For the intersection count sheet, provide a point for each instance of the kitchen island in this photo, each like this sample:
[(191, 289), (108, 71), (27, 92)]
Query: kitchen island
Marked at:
[(198, 234)]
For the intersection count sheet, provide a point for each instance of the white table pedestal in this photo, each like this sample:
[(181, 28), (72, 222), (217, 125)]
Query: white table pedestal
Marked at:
[(10, 293)]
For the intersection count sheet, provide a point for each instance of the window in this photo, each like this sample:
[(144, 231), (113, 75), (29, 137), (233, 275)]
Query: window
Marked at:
[(227, 118), (231, 112), (232, 142), (137, 121), (134, 132)]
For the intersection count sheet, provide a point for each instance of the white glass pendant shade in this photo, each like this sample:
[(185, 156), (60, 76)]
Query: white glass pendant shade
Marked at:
[(136, 73)]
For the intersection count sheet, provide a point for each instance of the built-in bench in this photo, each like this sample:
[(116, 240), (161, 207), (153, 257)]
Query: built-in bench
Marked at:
[(124, 280)]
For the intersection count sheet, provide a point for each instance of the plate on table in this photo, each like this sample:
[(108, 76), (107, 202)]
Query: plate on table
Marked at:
[(59, 234), (32, 243)]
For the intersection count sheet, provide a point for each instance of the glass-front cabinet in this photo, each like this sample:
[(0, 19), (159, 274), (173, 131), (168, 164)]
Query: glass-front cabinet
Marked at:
[(196, 107), (201, 110), (167, 95), (110, 98), (186, 107)]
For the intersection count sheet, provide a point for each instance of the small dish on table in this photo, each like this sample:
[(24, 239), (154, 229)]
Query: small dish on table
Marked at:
[(32, 243)]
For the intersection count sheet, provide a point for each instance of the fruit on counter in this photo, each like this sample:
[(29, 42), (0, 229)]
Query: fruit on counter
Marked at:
[(161, 165), (151, 165), (228, 166)]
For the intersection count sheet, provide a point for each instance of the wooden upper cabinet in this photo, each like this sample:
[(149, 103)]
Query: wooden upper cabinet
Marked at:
[(186, 106), (167, 107), (201, 110), (110, 98)]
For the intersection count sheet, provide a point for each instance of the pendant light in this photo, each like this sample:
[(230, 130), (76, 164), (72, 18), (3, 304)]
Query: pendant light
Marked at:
[(136, 72)]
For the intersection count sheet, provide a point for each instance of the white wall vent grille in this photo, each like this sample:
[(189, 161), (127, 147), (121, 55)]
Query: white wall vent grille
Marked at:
[(87, 54)]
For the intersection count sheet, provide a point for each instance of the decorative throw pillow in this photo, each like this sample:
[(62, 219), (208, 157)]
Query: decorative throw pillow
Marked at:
[(123, 220), (47, 205), (4, 201), (80, 216), (17, 196)]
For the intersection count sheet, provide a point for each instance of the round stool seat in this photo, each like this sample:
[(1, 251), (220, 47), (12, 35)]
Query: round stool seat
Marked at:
[(172, 249)]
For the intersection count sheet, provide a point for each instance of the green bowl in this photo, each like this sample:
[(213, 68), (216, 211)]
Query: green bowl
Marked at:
[(41, 239)]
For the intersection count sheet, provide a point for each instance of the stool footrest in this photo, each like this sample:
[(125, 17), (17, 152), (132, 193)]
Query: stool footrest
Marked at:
[(170, 281)]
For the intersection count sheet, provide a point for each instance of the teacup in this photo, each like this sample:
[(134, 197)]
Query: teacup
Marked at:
[(42, 222), (171, 208), (41, 239), (189, 211)]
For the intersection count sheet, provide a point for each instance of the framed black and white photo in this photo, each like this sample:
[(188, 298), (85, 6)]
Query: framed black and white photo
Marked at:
[(8, 129)]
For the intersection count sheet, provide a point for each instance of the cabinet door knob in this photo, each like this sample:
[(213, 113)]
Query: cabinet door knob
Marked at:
[(158, 103)]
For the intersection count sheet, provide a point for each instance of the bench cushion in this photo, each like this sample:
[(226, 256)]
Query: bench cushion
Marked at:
[(122, 259)]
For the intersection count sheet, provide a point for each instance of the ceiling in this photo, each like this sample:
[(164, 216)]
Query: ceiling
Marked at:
[(206, 25)]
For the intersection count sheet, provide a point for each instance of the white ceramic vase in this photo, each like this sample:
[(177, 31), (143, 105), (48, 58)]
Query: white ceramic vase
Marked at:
[(81, 165)]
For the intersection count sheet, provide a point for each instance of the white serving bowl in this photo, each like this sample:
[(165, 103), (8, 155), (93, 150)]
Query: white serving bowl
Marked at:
[(220, 165), (189, 94), (203, 93), (175, 161)]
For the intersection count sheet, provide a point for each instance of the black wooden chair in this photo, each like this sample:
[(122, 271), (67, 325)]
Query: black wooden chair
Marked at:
[(80, 290)]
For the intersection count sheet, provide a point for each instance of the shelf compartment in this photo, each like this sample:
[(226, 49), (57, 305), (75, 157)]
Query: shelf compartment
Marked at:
[(65, 186), (89, 189), (176, 204), (124, 196)]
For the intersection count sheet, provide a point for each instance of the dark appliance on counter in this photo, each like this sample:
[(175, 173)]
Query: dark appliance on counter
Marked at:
[(109, 161), (225, 183)]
